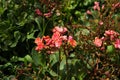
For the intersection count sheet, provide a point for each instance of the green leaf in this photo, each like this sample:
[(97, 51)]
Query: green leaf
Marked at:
[(28, 58), (77, 13), (52, 73), (14, 44), (22, 23), (21, 59), (14, 59), (30, 36), (17, 35), (2, 10), (38, 20), (110, 49), (54, 58), (85, 31), (73, 78), (38, 59), (4, 25), (7, 64), (62, 64), (81, 76)]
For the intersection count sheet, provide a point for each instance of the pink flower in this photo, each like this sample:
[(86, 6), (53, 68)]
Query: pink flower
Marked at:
[(38, 40), (117, 5), (58, 43), (109, 32), (112, 34), (55, 42), (47, 40), (102, 48), (56, 39), (64, 38), (117, 43), (103, 38), (71, 41), (56, 36), (39, 43), (103, 6), (98, 42), (96, 6), (96, 3), (60, 29), (47, 15), (89, 12), (38, 12), (100, 23)]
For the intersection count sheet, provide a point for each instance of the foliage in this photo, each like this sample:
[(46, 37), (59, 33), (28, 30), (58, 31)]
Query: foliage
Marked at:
[(59, 39)]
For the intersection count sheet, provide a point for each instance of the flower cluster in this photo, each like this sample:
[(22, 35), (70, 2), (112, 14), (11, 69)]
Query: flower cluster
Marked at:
[(110, 36), (96, 6), (39, 13), (117, 5), (56, 41)]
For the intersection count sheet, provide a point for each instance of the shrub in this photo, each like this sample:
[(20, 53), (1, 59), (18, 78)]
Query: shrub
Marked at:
[(64, 40)]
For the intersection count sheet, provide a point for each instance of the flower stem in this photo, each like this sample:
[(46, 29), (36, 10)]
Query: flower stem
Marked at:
[(59, 73), (67, 67)]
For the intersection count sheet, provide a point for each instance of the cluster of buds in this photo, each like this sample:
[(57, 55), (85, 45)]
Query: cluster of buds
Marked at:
[(110, 36), (56, 41), (117, 5), (50, 6), (96, 7), (39, 13)]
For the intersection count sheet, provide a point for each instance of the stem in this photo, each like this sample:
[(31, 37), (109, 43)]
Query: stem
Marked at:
[(44, 27), (67, 67), (59, 73)]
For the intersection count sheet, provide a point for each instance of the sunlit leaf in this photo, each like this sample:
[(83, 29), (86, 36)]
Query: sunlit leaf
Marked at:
[(110, 48), (28, 58)]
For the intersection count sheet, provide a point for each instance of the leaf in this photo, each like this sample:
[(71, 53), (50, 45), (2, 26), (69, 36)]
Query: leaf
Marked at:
[(21, 59), (85, 32), (30, 36), (22, 23), (52, 73), (73, 78), (81, 76), (38, 20), (62, 64), (110, 49), (28, 58), (54, 58), (72, 5), (14, 44), (77, 13), (7, 64), (4, 25), (2, 10), (38, 59), (17, 35)]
